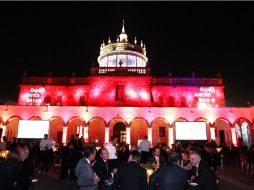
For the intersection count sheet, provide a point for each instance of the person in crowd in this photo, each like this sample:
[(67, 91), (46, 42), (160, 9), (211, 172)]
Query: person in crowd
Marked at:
[(45, 152), (169, 177), (27, 170), (81, 143), (65, 160), (243, 149), (9, 170), (131, 176), (3, 144), (144, 147), (34, 152), (72, 141), (156, 158), (123, 154), (226, 153), (14, 143), (101, 168), (111, 147), (250, 160), (202, 174), (185, 161), (86, 177)]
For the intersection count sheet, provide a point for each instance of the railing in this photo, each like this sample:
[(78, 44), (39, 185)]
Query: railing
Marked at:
[(187, 81), (120, 71), (54, 80)]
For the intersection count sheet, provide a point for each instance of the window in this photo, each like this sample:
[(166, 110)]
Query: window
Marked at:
[(171, 101), (58, 101), (112, 61), (161, 131), (139, 62), (82, 101), (131, 61), (47, 100), (121, 62), (119, 92)]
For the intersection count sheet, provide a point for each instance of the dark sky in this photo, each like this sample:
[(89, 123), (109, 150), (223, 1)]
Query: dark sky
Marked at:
[(181, 37)]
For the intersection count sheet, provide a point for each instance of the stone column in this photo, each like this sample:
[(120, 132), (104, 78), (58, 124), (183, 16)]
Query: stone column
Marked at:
[(106, 134), (170, 136), (128, 135), (64, 137), (150, 136), (233, 135)]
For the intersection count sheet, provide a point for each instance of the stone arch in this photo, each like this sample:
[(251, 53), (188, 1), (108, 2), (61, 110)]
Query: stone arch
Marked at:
[(180, 119), (12, 126), (35, 118), (222, 131), (138, 129), (1, 121), (96, 130), (243, 130), (157, 133), (56, 128), (112, 123), (72, 125), (208, 126)]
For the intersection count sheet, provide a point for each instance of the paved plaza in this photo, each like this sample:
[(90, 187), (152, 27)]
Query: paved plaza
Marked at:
[(231, 179)]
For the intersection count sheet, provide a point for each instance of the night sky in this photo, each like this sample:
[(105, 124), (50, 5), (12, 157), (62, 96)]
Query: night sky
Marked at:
[(181, 37)]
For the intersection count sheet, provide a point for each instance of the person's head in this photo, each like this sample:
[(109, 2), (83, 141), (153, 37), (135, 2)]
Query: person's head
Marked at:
[(157, 151), (145, 137), (90, 153), (104, 154), (113, 140), (135, 156), (185, 155), (46, 136), (13, 156), (23, 152), (195, 158), (174, 157), (4, 138)]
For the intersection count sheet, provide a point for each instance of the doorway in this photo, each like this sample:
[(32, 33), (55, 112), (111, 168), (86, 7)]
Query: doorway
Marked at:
[(222, 136), (119, 131)]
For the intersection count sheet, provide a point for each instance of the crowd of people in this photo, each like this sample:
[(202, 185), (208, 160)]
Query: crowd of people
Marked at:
[(116, 166)]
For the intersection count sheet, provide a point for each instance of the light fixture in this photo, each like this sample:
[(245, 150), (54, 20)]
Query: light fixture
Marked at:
[(86, 108)]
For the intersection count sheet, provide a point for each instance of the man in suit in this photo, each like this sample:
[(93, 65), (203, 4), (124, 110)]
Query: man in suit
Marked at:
[(102, 170), (27, 170), (169, 177), (156, 158), (131, 176), (86, 178), (203, 175)]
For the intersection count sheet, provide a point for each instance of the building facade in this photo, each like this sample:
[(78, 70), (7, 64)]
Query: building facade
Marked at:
[(121, 98)]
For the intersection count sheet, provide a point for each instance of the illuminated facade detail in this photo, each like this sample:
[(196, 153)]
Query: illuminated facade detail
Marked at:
[(121, 90)]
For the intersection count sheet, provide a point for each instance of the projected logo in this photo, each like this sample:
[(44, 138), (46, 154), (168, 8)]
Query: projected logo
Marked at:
[(35, 95), (206, 95)]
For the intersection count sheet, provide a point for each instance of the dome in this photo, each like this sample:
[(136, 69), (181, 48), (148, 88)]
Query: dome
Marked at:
[(122, 53)]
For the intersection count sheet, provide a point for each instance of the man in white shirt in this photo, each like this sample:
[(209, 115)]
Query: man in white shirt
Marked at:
[(45, 150), (112, 161), (144, 147)]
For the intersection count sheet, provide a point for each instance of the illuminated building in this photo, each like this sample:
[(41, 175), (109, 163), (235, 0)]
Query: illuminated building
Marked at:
[(121, 98)]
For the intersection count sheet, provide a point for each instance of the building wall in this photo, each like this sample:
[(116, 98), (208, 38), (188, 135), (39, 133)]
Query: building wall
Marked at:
[(138, 119), (135, 91)]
